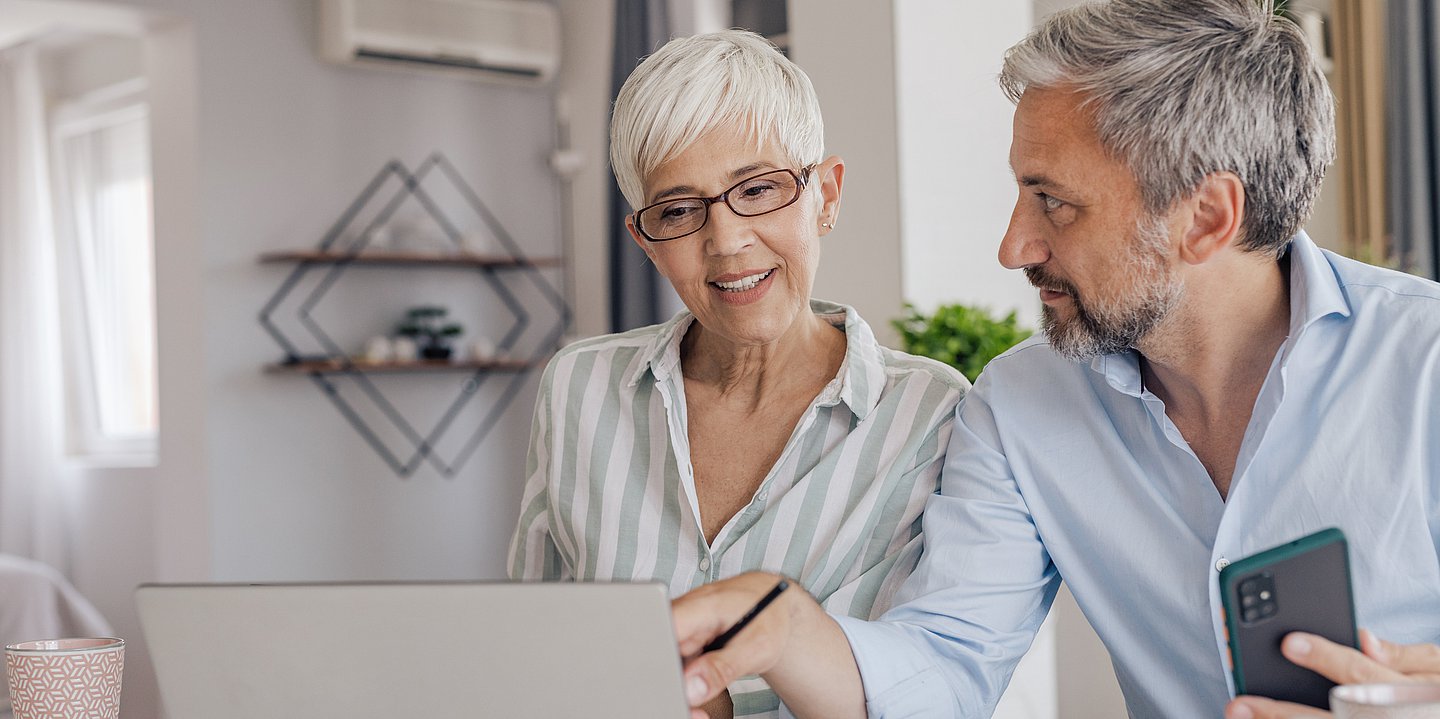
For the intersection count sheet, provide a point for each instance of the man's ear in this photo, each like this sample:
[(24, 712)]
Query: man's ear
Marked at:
[(831, 175), (1217, 209)]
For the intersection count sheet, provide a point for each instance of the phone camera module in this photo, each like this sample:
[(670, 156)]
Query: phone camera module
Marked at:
[(1257, 598)]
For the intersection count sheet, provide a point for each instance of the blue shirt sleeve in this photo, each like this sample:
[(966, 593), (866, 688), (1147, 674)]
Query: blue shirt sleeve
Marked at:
[(980, 593)]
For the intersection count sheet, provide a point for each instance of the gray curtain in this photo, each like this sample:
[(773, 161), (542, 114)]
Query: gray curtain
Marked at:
[(637, 291), (1413, 129)]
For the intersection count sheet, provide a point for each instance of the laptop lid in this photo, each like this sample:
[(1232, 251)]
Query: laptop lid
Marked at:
[(356, 651)]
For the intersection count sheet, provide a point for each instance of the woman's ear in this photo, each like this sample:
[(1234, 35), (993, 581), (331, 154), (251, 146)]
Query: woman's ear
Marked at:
[(831, 176), (1217, 210), (639, 240)]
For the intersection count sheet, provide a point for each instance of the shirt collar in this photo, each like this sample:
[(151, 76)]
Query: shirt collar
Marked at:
[(1315, 290), (1315, 293), (858, 384)]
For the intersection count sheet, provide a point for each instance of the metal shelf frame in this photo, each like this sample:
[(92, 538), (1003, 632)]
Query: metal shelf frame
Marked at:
[(333, 261)]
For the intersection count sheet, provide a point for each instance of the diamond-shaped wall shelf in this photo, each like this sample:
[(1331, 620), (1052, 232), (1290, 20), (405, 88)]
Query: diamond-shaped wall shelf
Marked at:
[(354, 242)]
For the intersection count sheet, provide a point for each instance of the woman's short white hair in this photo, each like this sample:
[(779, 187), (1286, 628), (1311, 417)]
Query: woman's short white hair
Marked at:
[(696, 84), (1180, 89)]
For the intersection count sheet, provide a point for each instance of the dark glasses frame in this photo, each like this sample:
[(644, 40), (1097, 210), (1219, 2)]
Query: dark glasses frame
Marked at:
[(801, 176)]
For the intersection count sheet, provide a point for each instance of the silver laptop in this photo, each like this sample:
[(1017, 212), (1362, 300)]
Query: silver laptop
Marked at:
[(356, 651)]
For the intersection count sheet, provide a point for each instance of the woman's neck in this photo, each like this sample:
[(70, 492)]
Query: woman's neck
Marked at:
[(809, 353)]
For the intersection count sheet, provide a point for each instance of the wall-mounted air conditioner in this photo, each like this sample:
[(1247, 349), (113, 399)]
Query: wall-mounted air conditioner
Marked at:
[(506, 40)]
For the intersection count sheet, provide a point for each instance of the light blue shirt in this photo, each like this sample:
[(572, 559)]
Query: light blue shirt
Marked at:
[(1058, 469)]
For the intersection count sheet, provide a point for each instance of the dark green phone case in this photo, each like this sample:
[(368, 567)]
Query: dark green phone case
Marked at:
[(1308, 582)]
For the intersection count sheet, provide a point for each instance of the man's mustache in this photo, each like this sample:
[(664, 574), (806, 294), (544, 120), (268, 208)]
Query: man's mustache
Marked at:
[(1045, 281)]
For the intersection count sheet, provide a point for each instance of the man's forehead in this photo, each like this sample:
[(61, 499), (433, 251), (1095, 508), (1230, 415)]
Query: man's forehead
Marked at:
[(1052, 126)]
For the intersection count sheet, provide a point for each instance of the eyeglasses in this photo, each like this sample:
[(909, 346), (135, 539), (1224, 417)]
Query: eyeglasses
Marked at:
[(751, 197)]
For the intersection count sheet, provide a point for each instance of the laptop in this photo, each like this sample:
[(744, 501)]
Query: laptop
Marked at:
[(361, 651)]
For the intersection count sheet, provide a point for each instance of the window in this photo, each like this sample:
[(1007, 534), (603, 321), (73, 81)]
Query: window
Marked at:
[(101, 148)]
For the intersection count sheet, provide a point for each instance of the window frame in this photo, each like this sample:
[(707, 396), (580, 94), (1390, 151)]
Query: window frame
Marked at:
[(85, 439)]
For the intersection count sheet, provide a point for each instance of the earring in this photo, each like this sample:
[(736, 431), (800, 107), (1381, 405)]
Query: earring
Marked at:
[(827, 225)]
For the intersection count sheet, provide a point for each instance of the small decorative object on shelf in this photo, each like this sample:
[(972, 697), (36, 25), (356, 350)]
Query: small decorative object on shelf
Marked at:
[(427, 326), (378, 349), (404, 349), (429, 239), (482, 349)]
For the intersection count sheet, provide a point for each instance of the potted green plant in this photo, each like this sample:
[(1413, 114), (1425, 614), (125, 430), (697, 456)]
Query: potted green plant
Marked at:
[(426, 325), (962, 336)]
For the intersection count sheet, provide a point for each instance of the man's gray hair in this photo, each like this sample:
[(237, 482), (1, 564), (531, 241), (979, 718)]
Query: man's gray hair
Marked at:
[(1180, 89), (696, 84)]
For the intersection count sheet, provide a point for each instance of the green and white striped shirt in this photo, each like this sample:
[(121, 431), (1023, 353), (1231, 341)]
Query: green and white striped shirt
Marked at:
[(610, 492)]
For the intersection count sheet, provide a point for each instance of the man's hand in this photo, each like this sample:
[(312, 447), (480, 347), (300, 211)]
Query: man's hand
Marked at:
[(793, 643), (1381, 662), (708, 612)]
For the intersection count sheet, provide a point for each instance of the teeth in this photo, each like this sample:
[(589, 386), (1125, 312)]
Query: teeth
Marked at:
[(744, 283)]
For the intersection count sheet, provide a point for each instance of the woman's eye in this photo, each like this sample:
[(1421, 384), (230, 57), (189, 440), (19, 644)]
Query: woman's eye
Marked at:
[(674, 212), (756, 190)]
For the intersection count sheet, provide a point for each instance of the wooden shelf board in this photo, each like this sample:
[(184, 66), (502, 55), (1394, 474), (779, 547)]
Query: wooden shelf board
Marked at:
[(385, 257), (341, 365)]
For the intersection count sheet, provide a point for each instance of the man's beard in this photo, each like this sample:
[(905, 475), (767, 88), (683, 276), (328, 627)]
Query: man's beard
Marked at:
[(1117, 325)]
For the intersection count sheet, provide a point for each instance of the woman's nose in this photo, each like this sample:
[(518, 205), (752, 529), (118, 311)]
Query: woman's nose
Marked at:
[(727, 233)]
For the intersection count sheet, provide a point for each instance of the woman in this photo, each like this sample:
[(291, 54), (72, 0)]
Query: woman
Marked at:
[(758, 429)]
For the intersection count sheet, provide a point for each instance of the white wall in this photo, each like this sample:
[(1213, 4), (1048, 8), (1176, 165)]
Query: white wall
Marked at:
[(583, 90), (286, 143), (954, 123), (259, 146), (847, 48)]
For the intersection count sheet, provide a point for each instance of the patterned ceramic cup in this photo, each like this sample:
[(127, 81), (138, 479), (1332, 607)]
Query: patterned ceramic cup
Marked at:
[(1385, 701), (66, 678)]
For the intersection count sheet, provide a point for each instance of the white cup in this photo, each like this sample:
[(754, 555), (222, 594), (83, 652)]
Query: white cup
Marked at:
[(404, 349), (379, 349), (482, 349), (1385, 701)]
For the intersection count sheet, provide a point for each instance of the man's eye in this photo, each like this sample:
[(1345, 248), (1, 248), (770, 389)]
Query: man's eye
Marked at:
[(1051, 204)]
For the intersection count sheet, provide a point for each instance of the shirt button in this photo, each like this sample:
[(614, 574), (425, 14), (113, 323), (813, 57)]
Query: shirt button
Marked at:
[(704, 564), (1221, 564)]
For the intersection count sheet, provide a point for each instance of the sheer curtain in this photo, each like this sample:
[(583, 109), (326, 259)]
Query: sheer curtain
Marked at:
[(32, 470)]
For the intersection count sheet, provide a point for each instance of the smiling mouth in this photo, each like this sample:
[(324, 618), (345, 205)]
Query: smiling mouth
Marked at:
[(744, 283)]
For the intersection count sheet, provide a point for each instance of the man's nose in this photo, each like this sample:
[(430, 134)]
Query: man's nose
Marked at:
[(1022, 246)]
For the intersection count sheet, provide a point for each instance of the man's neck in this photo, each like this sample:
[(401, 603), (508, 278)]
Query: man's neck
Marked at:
[(1209, 361)]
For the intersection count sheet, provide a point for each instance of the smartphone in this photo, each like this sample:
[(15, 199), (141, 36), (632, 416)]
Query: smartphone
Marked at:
[(1302, 585)]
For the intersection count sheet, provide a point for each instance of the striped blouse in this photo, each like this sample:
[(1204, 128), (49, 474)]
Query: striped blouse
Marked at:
[(610, 492)]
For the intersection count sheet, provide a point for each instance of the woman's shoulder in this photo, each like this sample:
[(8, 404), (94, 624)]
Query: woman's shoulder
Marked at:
[(639, 337), (916, 367), (618, 351), (899, 368)]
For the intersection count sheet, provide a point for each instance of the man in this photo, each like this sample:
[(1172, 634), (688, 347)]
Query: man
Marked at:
[(1210, 384)]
